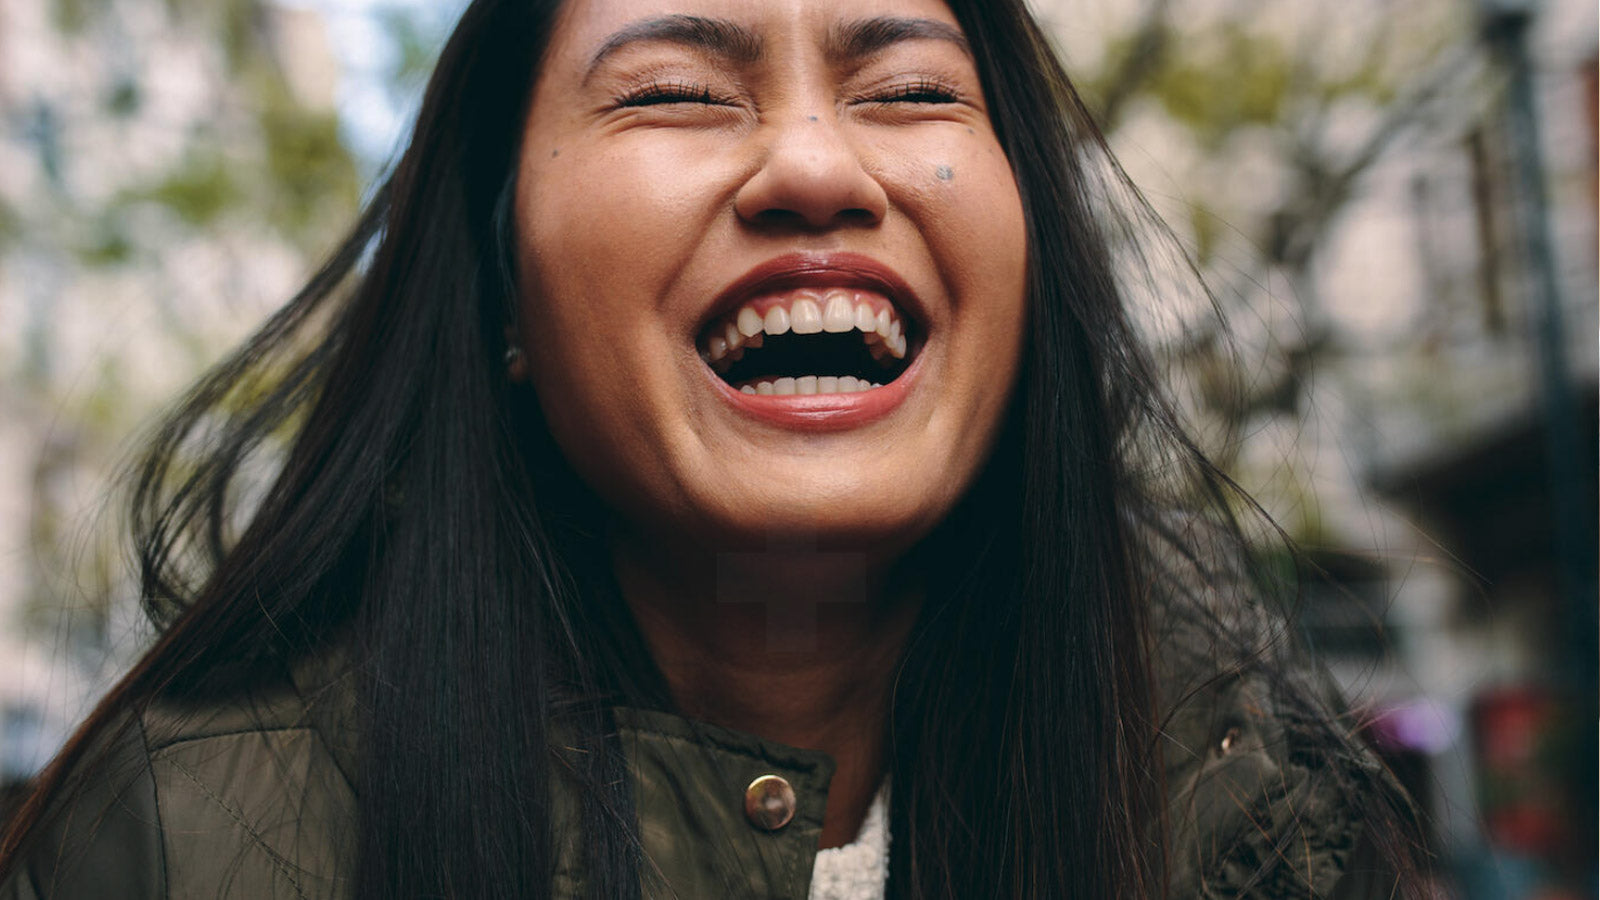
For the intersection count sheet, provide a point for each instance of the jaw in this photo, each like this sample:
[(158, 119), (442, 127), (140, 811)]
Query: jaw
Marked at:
[(702, 465)]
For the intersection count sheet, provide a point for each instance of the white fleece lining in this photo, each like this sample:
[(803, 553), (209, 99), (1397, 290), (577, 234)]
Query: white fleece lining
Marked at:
[(860, 869)]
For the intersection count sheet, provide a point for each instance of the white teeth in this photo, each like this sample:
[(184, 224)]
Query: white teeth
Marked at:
[(840, 315), (808, 312), (749, 322), (808, 385), (865, 319), (776, 321), (805, 316)]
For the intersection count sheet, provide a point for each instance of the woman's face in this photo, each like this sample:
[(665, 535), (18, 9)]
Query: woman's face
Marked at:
[(733, 220)]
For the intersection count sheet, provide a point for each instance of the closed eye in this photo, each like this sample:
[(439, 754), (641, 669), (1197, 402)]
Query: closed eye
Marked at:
[(660, 93), (918, 91)]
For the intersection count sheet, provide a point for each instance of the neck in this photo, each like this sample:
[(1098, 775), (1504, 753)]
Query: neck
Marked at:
[(793, 643)]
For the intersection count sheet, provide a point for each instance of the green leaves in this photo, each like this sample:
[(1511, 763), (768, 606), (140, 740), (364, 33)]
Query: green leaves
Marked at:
[(198, 191)]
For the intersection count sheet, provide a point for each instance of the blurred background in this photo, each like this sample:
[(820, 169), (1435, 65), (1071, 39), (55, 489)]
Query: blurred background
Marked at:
[(1393, 203)]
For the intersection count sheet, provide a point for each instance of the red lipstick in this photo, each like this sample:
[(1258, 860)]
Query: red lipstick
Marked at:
[(818, 270), (819, 412)]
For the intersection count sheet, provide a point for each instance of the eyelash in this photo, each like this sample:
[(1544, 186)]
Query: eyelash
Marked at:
[(922, 90), (660, 93)]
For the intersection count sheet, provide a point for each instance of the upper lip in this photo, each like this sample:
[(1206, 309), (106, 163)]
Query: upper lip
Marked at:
[(817, 270)]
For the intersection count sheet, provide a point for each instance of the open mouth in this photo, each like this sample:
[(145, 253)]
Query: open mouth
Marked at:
[(810, 341)]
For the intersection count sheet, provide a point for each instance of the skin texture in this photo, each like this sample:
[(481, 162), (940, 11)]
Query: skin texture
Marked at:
[(760, 559)]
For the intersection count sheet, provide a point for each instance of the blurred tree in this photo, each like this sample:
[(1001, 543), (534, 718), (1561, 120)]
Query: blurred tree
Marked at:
[(174, 168), (1266, 118), (1346, 177)]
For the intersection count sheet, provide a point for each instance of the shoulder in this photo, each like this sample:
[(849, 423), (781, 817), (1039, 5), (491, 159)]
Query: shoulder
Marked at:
[(233, 797), (1262, 803), (1268, 790)]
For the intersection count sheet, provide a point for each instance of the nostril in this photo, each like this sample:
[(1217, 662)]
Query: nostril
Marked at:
[(779, 218)]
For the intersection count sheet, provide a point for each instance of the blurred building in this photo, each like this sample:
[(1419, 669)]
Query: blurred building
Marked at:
[(1353, 180), (1475, 425)]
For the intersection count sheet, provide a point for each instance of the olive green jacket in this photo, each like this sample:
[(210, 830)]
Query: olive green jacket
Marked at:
[(254, 799)]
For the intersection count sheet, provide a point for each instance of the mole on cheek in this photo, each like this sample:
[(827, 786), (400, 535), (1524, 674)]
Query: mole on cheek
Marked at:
[(555, 153), (812, 118), (945, 173)]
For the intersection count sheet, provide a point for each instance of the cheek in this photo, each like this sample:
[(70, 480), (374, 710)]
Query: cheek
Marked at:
[(594, 245), (595, 258), (621, 200), (565, 316), (982, 224), (965, 203), (961, 195), (971, 214)]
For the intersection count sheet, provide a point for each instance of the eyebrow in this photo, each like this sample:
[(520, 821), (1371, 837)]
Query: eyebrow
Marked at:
[(720, 37), (855, 40)]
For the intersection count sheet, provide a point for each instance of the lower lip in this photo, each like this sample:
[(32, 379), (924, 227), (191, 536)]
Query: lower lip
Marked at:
[(821, 412)]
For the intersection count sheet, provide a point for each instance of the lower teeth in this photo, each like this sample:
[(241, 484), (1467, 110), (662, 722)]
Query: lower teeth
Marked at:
[(807, 385)]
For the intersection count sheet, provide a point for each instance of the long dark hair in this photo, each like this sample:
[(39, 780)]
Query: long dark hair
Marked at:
[(421, 519)]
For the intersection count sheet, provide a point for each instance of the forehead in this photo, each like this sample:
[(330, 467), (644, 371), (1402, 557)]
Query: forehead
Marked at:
[(586, 25)]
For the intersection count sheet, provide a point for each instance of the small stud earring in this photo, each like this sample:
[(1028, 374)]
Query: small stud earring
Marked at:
[(513, 355)]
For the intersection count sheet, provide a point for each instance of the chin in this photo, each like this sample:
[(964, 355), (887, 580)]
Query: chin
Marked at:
[(884, 528)]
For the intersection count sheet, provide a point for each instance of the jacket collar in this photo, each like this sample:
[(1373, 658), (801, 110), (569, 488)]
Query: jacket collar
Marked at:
[(689, 786)]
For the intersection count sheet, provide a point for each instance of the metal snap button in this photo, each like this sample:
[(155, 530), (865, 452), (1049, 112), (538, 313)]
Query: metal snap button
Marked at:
[(769, 802)]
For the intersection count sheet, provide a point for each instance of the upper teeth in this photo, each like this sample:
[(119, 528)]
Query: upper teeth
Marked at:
[(808, 312)]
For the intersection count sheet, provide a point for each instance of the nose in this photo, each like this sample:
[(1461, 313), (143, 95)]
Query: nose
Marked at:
[(810, 176)]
